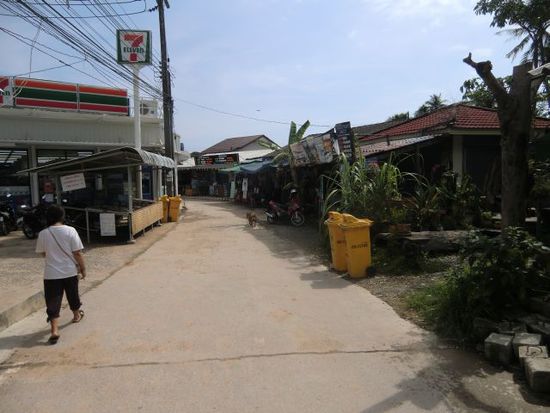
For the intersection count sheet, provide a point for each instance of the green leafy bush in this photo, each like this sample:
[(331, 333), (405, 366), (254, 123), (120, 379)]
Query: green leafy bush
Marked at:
[(495, 277)]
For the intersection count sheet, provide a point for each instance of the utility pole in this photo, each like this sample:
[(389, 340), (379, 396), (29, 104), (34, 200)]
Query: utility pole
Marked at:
[(167, 102)]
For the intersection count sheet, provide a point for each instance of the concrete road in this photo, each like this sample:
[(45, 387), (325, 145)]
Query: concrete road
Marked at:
[(220, 317)]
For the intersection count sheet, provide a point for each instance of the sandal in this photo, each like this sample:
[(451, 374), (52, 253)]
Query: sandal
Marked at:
[(78, 320), (53, 340)]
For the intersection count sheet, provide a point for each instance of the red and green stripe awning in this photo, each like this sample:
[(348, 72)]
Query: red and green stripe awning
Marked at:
[(34, 93)]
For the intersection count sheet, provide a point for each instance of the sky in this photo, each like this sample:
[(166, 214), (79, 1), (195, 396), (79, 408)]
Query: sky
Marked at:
[(294, 60)]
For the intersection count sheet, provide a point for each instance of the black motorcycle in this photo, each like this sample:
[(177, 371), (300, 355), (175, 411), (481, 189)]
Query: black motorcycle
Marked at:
[(34, 220), (8, 217)]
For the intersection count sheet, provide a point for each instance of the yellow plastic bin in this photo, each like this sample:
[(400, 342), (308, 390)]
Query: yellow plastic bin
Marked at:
[(165, 205), (358, 245), (174, 213), (337, 241)]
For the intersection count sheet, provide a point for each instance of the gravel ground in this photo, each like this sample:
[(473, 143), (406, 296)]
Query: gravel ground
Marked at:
[(21, 269)]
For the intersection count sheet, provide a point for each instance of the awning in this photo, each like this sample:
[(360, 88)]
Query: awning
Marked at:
[(250, 168), (255, 167), (113, 158)]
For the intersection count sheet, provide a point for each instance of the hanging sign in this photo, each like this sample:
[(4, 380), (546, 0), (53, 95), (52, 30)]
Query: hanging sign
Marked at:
[(73, 182), (345, 138), (107, 225), (134, 47)]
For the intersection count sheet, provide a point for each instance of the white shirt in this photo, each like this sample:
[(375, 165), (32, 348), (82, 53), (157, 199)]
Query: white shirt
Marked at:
[(59, 263)]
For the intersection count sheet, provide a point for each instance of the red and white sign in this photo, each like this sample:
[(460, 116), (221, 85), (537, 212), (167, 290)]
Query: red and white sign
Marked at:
[(134, 47)]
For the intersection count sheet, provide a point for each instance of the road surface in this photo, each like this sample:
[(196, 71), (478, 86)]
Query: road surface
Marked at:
[(221, 317)]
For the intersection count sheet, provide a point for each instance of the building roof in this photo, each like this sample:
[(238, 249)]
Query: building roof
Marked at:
[(457, 116), (377, 148), (368, 130), (234, 144)]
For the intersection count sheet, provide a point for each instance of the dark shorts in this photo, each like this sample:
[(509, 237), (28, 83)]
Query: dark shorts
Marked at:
[(53, 292)]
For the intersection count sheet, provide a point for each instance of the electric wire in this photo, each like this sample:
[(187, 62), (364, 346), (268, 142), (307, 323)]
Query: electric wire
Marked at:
[(76, 38)]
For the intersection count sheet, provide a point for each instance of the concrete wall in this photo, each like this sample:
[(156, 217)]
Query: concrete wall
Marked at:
[(38, 127)]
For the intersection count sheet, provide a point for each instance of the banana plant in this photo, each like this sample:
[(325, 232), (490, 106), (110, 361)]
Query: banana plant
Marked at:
[(285, 154)]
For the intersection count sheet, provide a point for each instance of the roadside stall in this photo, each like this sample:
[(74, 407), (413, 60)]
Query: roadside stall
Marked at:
[(97, 191)]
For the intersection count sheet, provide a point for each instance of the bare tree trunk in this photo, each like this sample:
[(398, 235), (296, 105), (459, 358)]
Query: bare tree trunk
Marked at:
[(516, 120), (515, 114)]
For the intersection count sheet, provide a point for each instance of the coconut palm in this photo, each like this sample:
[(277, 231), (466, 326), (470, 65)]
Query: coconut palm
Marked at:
[(434, 103)]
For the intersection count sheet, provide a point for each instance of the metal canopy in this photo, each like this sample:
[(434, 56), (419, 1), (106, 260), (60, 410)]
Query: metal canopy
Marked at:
[(113, 158)]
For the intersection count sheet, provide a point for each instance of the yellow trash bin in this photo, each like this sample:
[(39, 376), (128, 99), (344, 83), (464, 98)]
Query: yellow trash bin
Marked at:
[(165, 204), (174, 213), (358, 245), (337, 241)]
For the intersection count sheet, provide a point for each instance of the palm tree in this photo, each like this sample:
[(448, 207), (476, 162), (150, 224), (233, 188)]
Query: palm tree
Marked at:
[(532, 19), (434, 103)]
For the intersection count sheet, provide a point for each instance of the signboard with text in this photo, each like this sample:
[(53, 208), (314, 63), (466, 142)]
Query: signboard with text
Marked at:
[(107, 224), (223, 159), (346, 142), (73, 182), (134, 47)]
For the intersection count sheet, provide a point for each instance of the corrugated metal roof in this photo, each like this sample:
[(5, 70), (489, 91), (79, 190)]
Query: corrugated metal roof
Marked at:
[(371, 149), (120, 157)]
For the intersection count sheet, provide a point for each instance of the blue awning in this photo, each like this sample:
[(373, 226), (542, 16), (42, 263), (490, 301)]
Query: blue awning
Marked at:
[(255, 167)]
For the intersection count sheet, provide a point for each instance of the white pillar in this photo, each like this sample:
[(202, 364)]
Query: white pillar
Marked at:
[(35, 190), (458, 156), (137, 128)]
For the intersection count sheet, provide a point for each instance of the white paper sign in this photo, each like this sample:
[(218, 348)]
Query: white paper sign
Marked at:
[(73, 182), (107, 225)]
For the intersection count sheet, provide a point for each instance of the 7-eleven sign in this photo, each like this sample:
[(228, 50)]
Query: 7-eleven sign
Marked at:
[(134, 47)]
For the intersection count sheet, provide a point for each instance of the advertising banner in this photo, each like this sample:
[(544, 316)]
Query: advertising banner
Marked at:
[(314, 150), (134, 47)]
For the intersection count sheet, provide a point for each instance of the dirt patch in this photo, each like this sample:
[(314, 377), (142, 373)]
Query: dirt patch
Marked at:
[(394, 290)]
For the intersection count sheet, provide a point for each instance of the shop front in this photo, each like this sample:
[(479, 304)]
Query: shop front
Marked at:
[(99, 191)]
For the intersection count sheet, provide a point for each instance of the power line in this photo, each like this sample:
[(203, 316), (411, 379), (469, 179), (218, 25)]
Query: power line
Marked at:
[(77, 38), (237, 115), (104, 16), (51, 68)]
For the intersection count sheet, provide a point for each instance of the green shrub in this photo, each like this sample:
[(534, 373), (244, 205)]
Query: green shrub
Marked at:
[(494, 278)]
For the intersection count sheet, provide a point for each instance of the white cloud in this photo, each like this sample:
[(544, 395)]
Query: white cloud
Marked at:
[(420, 8)]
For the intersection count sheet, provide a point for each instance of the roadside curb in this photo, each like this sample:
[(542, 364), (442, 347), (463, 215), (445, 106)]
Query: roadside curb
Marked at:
[(36, 301), (21, 310)]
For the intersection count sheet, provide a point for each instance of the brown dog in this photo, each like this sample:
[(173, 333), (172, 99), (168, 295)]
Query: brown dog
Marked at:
[(252, 219)]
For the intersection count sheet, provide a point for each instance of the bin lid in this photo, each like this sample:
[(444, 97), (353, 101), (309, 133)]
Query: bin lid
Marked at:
[(334, 218), (349, 221)]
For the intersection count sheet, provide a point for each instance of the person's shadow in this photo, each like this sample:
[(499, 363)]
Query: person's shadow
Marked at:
[(31, 340)]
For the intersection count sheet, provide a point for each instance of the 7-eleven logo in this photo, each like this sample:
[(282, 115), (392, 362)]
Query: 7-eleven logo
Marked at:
[(133, 47)]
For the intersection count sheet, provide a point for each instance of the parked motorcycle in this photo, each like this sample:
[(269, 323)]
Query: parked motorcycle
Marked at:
[(276, 212), (8, 216), (34, 220)]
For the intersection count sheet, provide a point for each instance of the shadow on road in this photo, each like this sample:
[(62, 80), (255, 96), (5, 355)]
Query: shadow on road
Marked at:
[(456, 376)]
